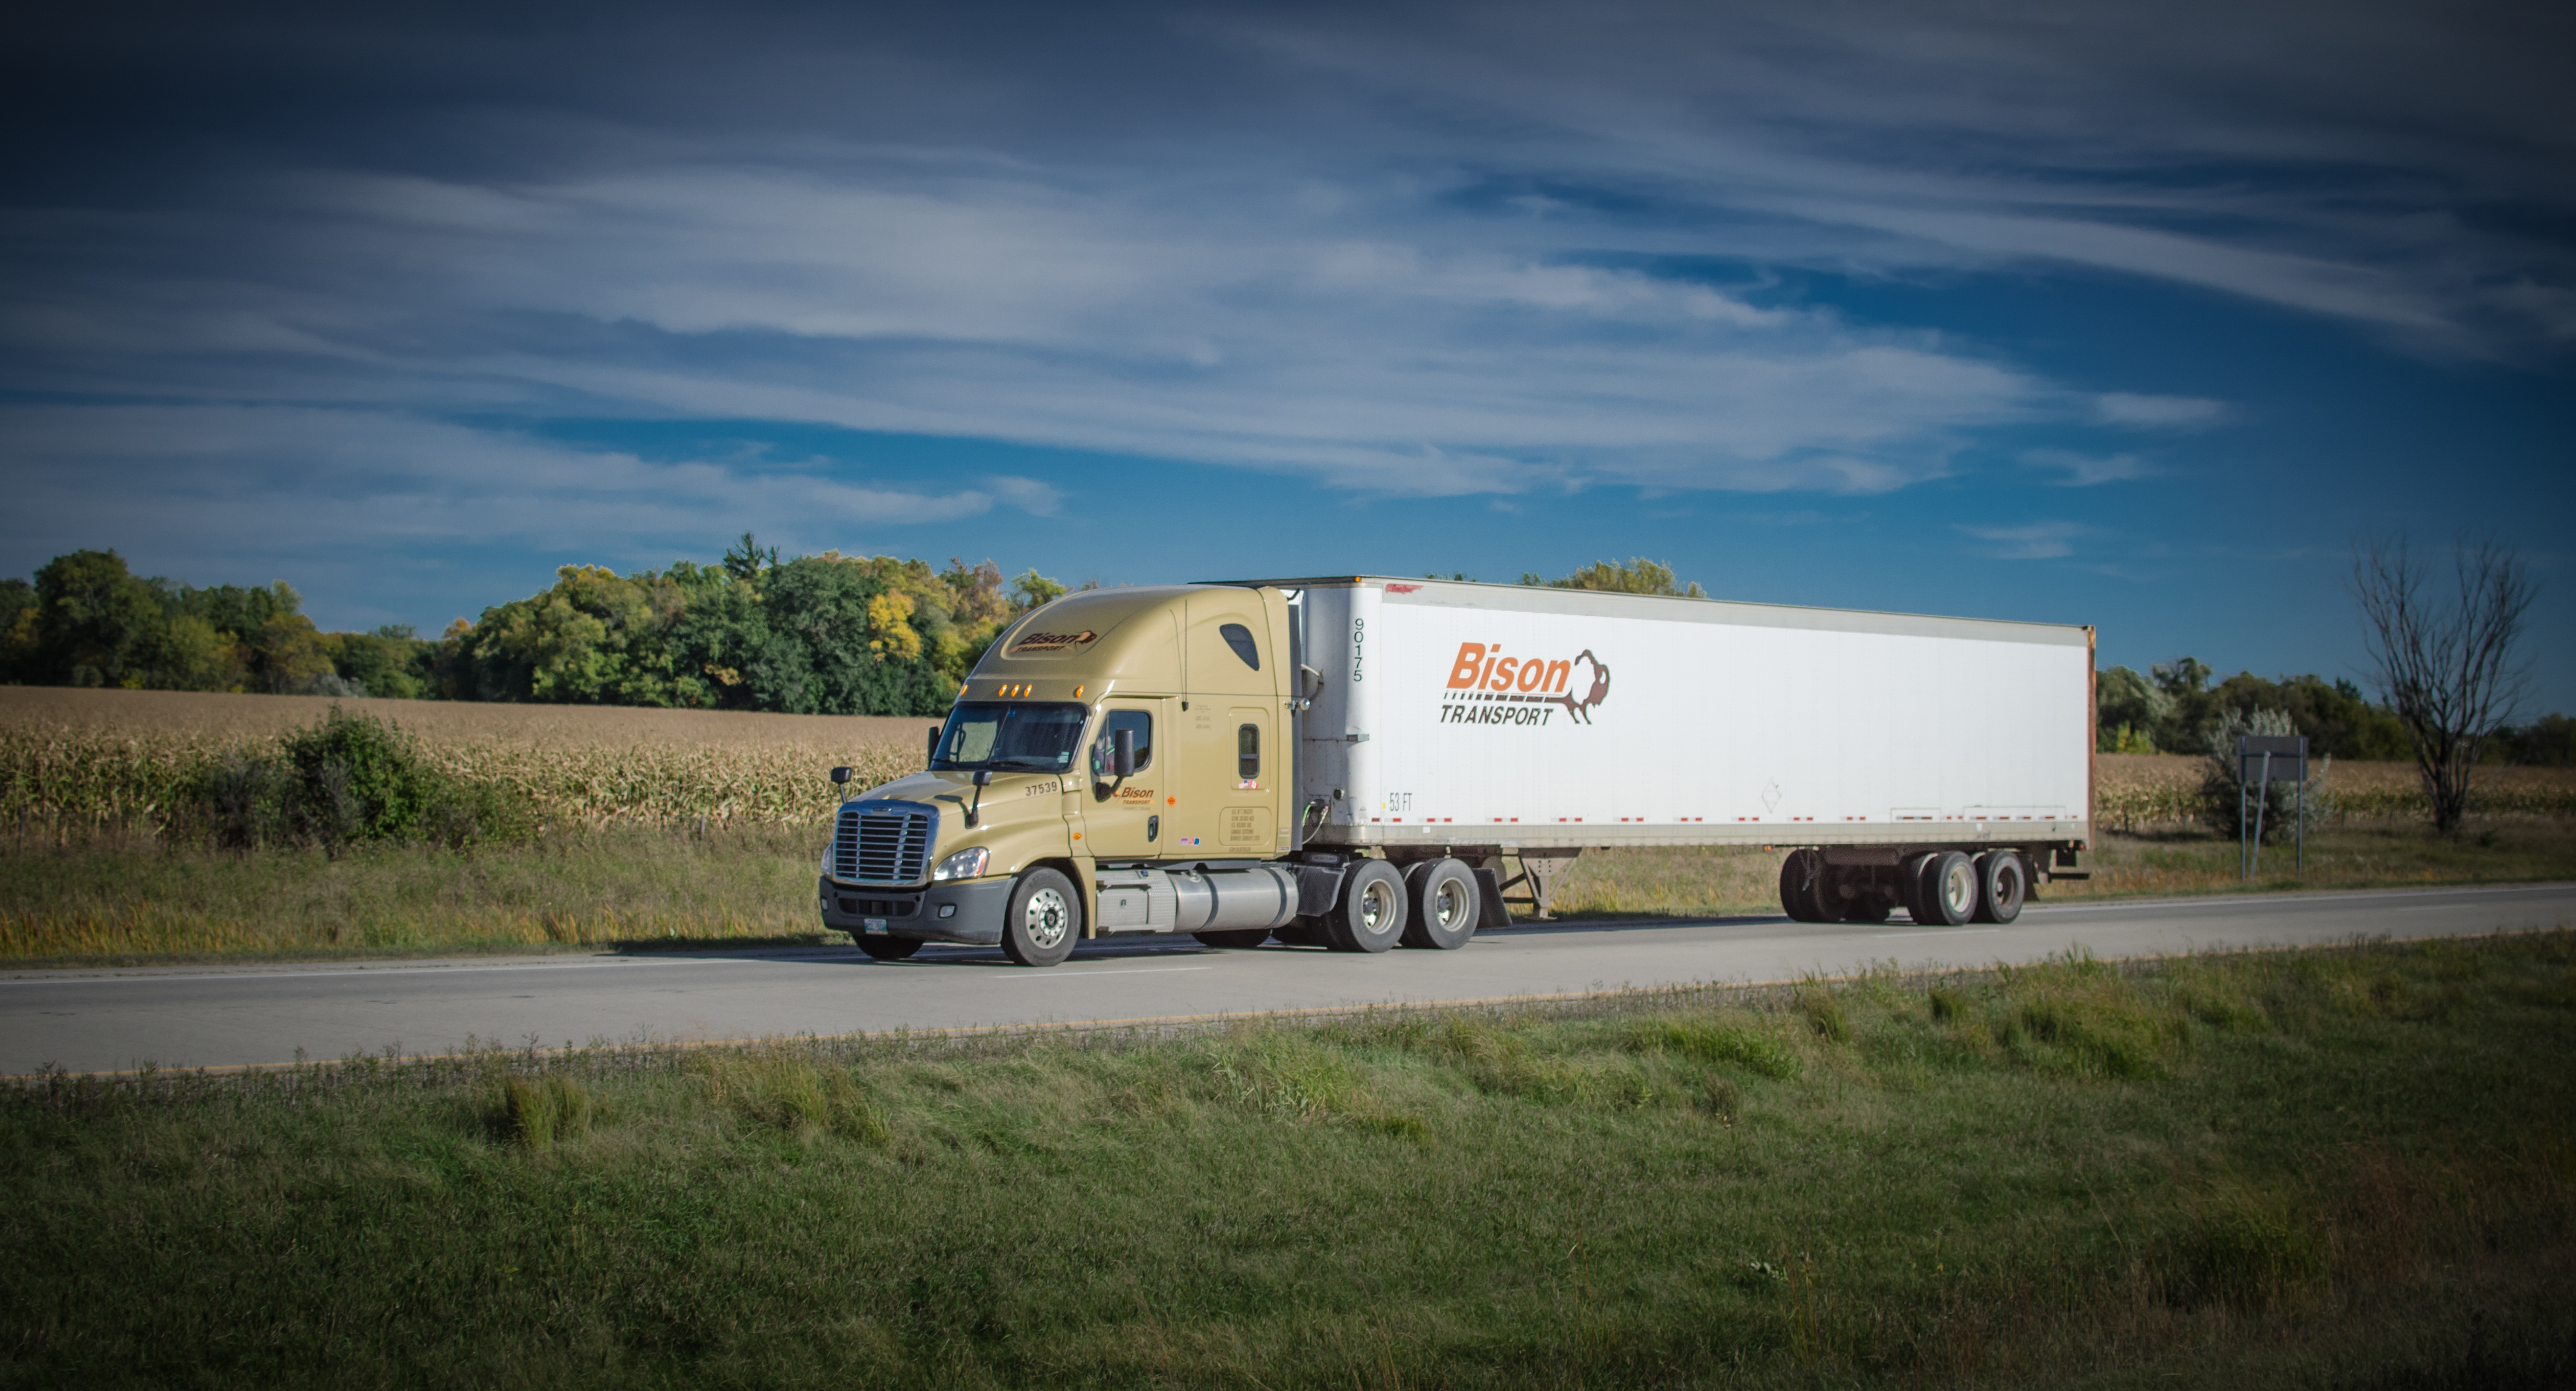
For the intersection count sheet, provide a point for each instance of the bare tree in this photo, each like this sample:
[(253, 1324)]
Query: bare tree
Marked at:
[(2445, 668)]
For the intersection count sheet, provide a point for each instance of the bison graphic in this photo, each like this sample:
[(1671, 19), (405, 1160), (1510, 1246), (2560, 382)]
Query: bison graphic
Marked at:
[(1597, 692)]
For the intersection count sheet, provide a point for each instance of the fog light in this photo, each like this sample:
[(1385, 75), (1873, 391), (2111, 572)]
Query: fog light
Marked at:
[(948, 910)]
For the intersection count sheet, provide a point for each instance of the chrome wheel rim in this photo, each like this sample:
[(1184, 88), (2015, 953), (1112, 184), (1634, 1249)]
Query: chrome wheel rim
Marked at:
[(1377, 905), (1047, 919), (1449, 904), (1959, 889)]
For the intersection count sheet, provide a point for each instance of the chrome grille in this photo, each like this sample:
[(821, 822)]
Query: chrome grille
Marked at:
[(882, 843)]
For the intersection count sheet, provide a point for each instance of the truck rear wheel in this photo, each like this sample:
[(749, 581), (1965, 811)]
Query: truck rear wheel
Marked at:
[(1440, 905), (2003, 881), (1044, 918), (1370, 916), (1946, 895)]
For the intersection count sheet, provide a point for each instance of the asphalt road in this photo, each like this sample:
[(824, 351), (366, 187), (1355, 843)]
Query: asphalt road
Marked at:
[(218, 1016)]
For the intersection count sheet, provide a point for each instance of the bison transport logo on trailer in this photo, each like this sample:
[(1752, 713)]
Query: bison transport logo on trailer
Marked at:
[(1487, 687)]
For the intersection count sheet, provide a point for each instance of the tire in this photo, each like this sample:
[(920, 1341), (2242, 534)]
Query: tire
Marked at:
[(1805, 883), (1946, 894), (1793, 878), (2003, 881), (1370, 916), (886, 948), (1044, 919), (1440, 906), (1235, 938)]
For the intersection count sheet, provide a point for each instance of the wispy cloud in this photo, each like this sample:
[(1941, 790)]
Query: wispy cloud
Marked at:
[(2085, 470), (2038, 541)]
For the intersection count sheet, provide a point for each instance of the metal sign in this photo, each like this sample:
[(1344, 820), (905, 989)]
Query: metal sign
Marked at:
[(2271, 758), (2262, 760)]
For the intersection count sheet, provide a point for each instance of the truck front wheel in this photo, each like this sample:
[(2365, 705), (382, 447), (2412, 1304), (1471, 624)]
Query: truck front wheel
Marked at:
[(1370, 916), (1044, 918)]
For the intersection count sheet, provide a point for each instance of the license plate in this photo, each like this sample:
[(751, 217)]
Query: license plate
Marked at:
[(872, 924)]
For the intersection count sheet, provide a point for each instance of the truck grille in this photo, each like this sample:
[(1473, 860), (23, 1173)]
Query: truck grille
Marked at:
[(882, 843)]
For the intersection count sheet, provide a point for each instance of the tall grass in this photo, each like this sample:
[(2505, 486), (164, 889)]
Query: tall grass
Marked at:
[(2347, 1167)]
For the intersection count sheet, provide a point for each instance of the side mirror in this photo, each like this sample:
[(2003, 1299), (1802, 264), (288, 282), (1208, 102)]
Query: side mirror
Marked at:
[(934, 743), (840, 775), (1122, 753)]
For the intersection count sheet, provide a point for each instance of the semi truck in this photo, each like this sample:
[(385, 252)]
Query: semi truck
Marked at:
[(1366, 762)]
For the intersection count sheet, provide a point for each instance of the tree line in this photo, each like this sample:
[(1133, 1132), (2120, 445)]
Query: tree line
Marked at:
[(818, 634), (858, 635)]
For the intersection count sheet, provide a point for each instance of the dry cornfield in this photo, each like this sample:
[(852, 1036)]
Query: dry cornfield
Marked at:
[(2134, 791), (72, 759), (97, 759)]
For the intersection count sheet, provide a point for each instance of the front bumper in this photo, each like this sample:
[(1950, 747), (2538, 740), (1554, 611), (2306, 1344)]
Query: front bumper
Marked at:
[(968, 911)]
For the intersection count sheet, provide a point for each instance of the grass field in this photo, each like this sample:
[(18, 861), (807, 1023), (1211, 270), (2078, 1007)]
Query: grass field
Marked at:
[(2347, 1168)]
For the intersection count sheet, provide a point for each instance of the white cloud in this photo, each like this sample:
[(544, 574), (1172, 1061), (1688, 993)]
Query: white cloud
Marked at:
[(2039, 541), (269, 480), (2085, 470)]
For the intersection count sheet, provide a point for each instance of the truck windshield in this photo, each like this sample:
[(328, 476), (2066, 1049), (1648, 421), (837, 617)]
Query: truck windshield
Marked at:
[(1010, 734)]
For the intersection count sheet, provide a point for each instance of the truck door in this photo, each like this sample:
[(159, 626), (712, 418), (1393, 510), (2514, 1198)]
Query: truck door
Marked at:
[(1126, 818), (1246, 821)]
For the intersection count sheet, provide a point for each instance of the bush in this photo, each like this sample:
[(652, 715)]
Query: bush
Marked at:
[(348, 780), (2221, 789)]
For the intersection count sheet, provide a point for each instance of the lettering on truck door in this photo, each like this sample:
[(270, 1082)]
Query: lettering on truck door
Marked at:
[(1127, 818)]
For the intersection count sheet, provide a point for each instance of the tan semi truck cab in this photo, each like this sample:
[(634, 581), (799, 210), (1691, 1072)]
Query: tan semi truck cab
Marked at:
[(1120, 761)]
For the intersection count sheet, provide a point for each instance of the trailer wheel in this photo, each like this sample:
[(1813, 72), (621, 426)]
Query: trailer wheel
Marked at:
[(1044, 918), (1792, 876), (1440, 905), (1370, 916), (1946, 895), (1805, 882), (886, 948), (1235, 938), (2004, 882)]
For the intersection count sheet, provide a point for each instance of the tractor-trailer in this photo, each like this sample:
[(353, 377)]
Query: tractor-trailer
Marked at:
[(1365, 762)]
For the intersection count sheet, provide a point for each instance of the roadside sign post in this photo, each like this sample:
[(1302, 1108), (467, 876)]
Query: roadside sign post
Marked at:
[(2262, 760)]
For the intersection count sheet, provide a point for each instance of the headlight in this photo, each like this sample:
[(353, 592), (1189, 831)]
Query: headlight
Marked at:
[(965, 864)]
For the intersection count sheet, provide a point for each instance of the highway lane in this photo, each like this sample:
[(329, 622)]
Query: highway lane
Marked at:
[(214, 1016)]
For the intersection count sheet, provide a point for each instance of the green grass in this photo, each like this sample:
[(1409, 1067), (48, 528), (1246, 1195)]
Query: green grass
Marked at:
[(134, 898), (2348, 1167)]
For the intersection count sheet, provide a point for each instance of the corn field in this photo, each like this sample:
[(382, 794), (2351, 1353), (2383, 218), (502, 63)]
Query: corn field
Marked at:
[(68, 777), (73, 761)]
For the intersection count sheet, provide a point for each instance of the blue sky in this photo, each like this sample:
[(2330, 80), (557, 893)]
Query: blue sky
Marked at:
[(2137, 316)]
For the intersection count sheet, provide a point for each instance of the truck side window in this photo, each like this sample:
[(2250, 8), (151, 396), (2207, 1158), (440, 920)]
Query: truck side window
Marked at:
[(1239, 638), (1247, 752), (1138, 720)]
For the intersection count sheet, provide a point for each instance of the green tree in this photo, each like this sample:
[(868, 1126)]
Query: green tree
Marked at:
[(2127, 711), (96, 624), (1638, 576)]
